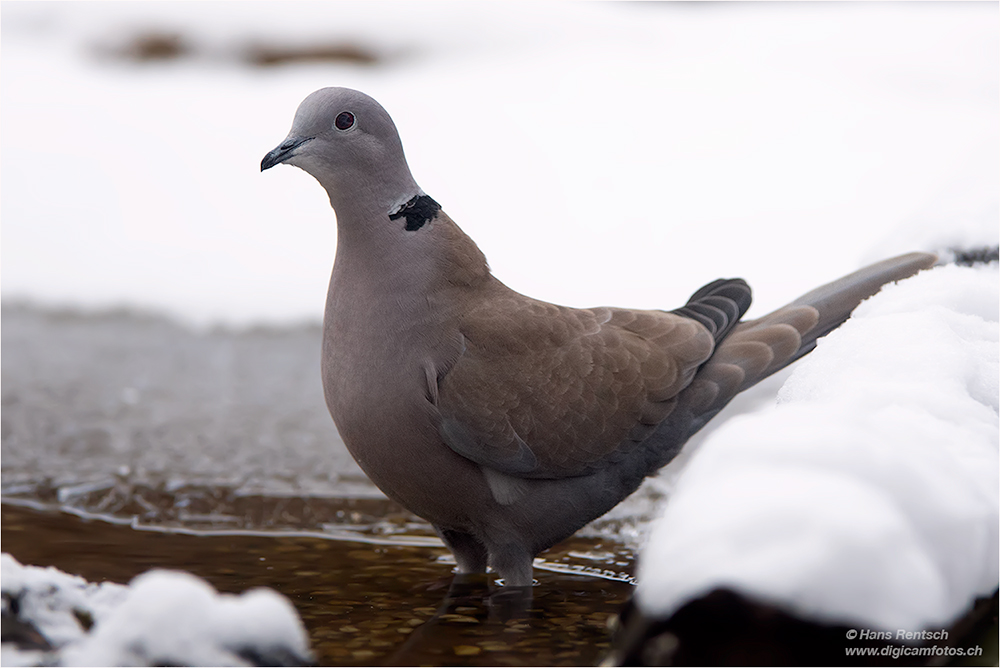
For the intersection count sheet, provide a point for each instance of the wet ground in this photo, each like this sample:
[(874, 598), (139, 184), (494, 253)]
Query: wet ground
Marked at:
[(363, 603)]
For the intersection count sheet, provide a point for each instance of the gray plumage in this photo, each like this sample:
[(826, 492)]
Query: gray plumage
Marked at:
[(508, 422)]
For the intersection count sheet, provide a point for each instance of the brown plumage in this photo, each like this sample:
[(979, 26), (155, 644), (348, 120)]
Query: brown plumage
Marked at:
[(505, 421)]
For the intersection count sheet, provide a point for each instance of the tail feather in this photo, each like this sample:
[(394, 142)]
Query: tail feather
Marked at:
[(836, 300), (718, 305), (757, 348)]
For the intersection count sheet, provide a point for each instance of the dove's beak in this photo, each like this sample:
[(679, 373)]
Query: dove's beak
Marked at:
[(284, 151)]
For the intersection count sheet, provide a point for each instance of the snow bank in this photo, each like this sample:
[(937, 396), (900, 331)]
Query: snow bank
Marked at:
[(869, 494), (165, 618)]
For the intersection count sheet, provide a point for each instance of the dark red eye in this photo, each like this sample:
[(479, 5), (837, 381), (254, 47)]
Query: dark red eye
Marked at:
[(344, 121)]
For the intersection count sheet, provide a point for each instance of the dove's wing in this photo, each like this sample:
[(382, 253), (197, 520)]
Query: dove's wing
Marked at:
[(545, 391)]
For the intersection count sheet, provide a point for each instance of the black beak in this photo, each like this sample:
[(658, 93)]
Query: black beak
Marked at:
[(283, 152)]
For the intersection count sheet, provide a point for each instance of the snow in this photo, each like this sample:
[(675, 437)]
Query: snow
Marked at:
[(47, 598), (869, 494), (161, 618), (612, 153)]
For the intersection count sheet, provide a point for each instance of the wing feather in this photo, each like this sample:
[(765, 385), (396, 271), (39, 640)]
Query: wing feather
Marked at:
[(547, 391)]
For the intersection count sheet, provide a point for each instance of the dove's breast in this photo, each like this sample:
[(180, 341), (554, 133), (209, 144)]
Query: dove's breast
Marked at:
[(376, 388)]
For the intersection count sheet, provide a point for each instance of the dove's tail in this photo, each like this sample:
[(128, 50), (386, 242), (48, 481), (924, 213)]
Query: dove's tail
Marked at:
[(718, 306), (757, 348)]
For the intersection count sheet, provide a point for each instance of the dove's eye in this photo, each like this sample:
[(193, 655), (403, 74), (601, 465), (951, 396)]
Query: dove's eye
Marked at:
[(344, 121)]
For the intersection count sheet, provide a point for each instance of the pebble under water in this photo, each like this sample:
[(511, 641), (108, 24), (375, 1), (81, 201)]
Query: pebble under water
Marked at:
[(362, 603)]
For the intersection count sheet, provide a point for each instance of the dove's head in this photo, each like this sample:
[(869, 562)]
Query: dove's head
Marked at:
[(348, 142)]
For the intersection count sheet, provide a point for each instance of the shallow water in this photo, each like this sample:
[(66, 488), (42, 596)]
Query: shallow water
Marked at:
[(362, 603)]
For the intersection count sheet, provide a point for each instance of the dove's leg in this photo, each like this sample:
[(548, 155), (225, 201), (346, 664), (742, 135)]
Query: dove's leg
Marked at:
[(512, 562), (470, 554)]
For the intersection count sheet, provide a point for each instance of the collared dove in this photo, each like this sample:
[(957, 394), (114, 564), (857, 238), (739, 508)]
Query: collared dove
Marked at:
[(507, 422)]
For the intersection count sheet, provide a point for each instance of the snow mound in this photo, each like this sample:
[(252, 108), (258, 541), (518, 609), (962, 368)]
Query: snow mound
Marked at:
[(869, 494), (54, 602), (163, 618)]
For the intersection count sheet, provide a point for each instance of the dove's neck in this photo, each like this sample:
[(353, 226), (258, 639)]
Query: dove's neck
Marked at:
[(388, 254), (366, 195)]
